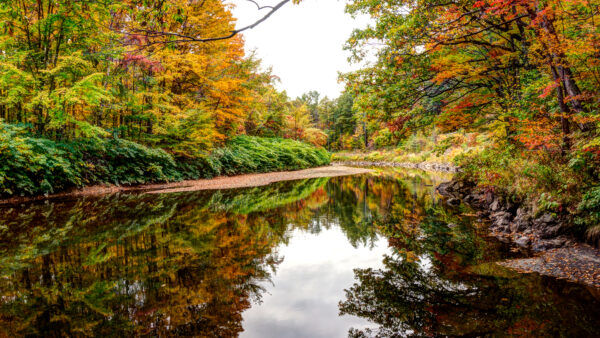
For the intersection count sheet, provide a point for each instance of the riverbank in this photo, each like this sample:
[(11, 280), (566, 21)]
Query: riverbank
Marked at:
[(578, 263), (511, 220), (557, 252), (428, 166), (34, 166), (223, 182)]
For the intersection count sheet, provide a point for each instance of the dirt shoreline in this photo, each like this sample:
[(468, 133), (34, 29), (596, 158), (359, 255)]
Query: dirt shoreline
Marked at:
[(223, 182), (579, 263)]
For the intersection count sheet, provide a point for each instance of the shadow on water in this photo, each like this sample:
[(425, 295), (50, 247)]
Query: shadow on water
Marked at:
[(191, 263)]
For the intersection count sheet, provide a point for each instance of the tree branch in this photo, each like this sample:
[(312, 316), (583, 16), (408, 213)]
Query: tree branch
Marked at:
[(182, 38)]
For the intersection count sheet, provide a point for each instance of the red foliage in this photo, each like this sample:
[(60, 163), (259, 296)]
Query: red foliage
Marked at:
[(140, 61), (398, 123), (543, 133), (549, 89)]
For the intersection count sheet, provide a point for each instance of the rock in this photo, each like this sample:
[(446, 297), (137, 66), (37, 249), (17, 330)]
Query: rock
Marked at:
[(478, 200), (550, 231), (453, 201), (500, 214), (507, 217), (523, 241), (503, 239), (521, 213), (546, 218), (495, 206), (519, 225), (501, 218), (501, 221), (511, 207), (503, 228), (547, 244)]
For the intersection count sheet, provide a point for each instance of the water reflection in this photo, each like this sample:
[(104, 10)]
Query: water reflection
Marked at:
[(303, 299), (441, 280), (199, 263)]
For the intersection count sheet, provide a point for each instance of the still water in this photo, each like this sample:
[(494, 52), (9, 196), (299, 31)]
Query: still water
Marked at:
[(369, 255)]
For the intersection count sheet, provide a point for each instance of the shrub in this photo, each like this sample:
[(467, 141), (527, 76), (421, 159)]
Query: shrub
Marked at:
[(30, 165), (588, 218), (244, 154)]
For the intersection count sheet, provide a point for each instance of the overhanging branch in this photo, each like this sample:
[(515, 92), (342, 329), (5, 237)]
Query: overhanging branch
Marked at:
[(182, 38)]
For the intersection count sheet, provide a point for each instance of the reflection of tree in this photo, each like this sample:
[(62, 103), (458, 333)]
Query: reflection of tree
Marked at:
[(404, 298), (363, 205), (190, 263), (439, 282), (186, 263)]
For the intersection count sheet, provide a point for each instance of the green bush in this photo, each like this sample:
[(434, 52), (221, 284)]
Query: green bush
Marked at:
[(588, 218), (30, 165), (246, 154)]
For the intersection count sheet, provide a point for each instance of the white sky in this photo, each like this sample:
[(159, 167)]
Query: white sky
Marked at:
[(303, 43)]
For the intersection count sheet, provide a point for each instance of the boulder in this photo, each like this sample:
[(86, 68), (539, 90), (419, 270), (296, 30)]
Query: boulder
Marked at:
[(496, 205), (523, 241), (550, 231), (501, 218), (519, 225), (547, 244), (546, 218)]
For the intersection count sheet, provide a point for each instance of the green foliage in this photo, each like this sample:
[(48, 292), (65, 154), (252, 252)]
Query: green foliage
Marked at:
[(538, 179), (246, 154), (33, 165), (444, 145), (589, 214)]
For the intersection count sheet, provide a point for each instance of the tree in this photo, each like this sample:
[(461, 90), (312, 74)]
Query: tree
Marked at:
[(466, 63)]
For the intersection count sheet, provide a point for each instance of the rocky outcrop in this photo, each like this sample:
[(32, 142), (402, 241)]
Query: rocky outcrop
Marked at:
[(431, 166), (510, 220)]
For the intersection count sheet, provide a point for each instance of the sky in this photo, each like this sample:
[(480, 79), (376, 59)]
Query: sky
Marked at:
[(303, 43)]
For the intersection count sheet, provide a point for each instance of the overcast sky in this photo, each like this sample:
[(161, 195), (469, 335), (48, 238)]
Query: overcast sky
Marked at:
[(303, 43)]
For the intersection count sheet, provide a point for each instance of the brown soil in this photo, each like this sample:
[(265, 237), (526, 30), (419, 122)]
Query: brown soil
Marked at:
[(579, 263), (241, 181), (255, 180)]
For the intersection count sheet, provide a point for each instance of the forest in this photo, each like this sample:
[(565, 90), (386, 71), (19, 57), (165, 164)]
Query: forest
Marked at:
[(109, 92), (141, 91), (476, 210), (505, 89)]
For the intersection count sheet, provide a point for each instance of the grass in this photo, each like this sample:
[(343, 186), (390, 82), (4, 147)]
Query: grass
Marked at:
[(418, 148)]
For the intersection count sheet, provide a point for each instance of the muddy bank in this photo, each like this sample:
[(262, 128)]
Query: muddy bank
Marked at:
[(577, 263), (241, 181), (430, 166), (557, 251)]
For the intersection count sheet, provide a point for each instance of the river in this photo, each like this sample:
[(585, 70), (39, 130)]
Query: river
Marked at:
[(375, 254)]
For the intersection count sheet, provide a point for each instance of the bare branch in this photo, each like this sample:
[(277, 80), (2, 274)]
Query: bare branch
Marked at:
[(259, 7), (182, 38)]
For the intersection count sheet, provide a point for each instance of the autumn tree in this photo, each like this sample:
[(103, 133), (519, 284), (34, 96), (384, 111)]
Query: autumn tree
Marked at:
[(467, 64)]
